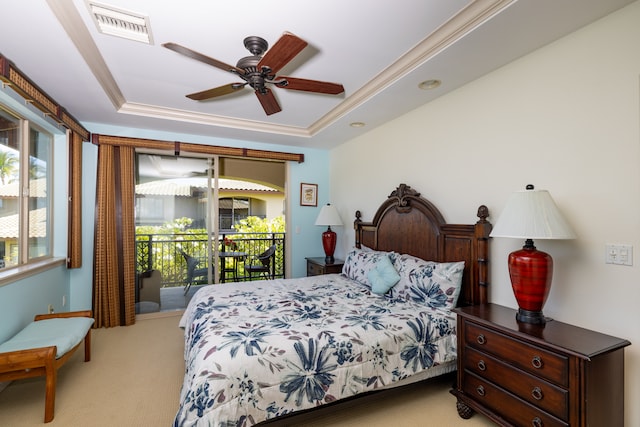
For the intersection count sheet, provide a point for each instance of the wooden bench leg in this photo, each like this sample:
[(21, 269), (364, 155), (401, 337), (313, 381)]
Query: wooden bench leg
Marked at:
[(87, 346), (50, 389)]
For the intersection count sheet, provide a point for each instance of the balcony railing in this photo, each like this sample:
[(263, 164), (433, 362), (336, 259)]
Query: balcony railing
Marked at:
[(162, 252)]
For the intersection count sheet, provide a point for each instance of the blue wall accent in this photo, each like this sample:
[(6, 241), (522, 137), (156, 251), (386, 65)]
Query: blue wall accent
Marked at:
[(23, 299), (308, 241)]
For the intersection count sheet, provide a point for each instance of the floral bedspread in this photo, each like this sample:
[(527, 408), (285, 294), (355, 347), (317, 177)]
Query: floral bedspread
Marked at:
[(259, 350)]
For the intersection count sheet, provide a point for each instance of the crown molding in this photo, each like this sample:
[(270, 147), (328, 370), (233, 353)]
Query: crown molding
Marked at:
[(159, 112)]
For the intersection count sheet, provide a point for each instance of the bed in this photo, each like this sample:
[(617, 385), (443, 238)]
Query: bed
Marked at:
[(263, 350)]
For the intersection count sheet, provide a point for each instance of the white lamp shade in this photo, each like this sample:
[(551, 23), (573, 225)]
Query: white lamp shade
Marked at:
[(328, 216), (532, 214)]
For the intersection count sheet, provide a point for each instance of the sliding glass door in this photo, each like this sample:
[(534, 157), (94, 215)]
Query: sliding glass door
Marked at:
[(176, 227), (204, 220)]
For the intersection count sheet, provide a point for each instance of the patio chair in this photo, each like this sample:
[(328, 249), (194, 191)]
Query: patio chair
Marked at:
[(192, 271), (263, 267)]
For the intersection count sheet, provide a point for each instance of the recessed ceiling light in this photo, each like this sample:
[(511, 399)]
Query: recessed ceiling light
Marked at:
[(429, 84), (357, 124)]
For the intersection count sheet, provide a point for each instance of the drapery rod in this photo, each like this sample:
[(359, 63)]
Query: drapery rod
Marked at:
[(187, 147)]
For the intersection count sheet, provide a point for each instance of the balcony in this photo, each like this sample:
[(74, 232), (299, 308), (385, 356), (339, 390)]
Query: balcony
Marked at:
[(164, 253)]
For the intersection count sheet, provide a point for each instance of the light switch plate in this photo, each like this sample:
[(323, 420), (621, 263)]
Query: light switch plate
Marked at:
[(619, 254)]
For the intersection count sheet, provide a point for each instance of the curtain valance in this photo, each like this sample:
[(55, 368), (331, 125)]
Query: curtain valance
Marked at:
[(177, 147)]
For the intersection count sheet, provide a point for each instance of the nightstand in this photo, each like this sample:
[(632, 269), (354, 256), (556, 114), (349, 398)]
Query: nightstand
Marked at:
[(317, 266), (546, 375)]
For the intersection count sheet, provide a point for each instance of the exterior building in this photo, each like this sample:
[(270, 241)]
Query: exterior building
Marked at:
[(161, 201)]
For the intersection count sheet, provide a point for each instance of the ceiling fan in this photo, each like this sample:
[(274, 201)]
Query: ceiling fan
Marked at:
[(257, 71)]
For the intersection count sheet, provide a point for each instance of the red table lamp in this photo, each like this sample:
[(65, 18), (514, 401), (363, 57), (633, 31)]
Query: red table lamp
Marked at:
[(329, 216), (531, 214)]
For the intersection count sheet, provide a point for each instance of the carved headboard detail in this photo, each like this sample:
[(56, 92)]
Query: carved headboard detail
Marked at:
[(410, 224)]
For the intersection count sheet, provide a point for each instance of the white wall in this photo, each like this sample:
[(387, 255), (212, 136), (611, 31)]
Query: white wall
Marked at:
[(565, 118)]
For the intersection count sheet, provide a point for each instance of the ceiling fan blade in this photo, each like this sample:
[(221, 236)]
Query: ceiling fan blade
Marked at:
[(310, 85), (202, 58), (216, 91), (285, 49), (268, 101)]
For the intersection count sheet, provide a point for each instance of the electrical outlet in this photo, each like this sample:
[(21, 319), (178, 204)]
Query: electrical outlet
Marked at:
[(50, 308), (64, 300), (619, 254)]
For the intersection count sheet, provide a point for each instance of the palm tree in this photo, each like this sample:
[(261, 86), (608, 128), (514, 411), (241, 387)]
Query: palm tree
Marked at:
[(36, 170), (8, 163)]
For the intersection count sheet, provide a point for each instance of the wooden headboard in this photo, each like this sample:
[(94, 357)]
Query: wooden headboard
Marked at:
[(409, 224)]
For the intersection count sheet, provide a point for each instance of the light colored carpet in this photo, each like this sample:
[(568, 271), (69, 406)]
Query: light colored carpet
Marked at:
[(134, 379)]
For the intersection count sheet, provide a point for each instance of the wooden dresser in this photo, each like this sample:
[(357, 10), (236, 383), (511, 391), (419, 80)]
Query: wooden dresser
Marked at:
[(537, 375), (317, 266)]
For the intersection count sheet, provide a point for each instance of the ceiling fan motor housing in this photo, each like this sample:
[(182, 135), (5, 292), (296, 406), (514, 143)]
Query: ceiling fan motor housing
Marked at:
[(248, 62), (254, 77)]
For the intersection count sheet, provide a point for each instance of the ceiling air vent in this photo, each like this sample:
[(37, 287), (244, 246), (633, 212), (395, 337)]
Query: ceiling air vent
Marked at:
[(120, 23)]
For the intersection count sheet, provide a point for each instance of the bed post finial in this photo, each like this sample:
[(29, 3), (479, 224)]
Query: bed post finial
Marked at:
[(483, 213), (356, 226)]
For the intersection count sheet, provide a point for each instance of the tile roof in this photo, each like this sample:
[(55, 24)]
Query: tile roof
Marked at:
[(38, 188), (37, 222), (185, 186)]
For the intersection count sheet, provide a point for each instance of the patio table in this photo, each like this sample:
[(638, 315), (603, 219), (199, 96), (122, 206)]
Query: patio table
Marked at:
[(237, 256)]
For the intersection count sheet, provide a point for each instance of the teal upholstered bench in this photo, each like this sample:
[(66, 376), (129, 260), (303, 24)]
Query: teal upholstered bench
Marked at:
[(42, 347)]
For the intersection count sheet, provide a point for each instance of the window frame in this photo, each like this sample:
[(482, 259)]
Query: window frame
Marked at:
[(26, 196)]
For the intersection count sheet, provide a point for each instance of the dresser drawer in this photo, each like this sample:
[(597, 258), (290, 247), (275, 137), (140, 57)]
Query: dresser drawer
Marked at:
[(551, 366), (534, 390), (314, 269), (512, 409), (317, 266)]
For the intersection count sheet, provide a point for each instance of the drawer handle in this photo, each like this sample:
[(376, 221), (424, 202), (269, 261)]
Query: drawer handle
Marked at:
[(536, 393), (481, 365), (536, 422), (481, 339), (480, 390), (536, 362)]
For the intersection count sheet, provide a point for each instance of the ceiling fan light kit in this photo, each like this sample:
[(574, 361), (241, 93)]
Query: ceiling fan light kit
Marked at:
[(258, 70)]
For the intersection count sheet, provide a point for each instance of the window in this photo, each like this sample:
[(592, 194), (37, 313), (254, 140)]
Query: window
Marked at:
[(25, 191), (232, 210)]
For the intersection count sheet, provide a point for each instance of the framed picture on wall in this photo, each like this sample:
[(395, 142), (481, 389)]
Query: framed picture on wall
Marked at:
[(308, 194)]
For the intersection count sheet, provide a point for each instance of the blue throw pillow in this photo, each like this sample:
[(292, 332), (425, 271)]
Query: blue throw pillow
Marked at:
[(383, 277)]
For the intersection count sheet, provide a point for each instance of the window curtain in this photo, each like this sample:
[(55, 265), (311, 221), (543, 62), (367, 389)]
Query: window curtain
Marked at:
[(114, 239), (74, 229)]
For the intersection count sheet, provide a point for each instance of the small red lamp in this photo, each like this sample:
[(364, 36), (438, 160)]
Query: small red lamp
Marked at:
[(531, 214), (329, 216)]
